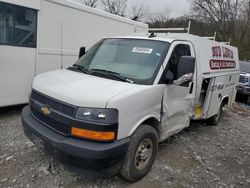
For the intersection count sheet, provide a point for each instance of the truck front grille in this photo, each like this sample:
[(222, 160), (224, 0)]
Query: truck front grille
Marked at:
[(54, 104), (243, 79), (51, 123), (60, 109)]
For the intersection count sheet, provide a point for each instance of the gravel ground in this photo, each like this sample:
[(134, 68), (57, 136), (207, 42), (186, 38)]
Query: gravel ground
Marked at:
[(201, 156)]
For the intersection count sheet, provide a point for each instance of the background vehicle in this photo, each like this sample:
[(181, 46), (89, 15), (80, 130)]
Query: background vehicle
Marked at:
[(127, 94), (244, 83), (41, 35)]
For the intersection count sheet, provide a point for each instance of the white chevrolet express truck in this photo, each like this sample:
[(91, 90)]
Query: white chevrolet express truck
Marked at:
[(109, 111)]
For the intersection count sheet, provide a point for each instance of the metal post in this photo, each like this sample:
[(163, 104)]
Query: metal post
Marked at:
[(189, 27), (61, 45), (215, 34)]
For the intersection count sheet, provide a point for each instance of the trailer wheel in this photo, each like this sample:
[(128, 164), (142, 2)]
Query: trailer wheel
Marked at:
[(214, 120), (141, 153)]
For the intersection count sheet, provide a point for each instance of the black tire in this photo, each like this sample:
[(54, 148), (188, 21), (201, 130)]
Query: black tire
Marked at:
[(214, 120), (130, 167), (248, 100)]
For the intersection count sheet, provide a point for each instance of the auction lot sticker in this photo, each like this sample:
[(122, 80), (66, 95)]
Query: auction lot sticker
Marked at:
[(142, 50)]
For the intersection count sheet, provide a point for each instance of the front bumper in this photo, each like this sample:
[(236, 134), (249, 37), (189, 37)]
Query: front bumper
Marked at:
[(87, 154), (245, 90)]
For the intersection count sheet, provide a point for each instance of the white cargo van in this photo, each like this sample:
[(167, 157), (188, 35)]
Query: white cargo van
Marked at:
[(37, 36), (110, 110)]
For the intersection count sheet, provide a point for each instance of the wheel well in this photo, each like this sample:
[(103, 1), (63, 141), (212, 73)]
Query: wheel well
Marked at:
[(153, 122), (225, 101)]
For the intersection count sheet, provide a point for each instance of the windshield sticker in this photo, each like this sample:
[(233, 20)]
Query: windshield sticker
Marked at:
[(142, 50)]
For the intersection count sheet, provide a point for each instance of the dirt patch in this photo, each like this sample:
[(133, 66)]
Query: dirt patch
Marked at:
[(201, 156)]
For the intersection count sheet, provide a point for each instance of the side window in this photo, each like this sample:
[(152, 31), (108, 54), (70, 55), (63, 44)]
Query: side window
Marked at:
[(179, 50), (18, 25)]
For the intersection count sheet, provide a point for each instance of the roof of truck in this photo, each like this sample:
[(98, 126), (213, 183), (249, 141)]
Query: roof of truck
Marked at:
[(146, 38), (170, 37)]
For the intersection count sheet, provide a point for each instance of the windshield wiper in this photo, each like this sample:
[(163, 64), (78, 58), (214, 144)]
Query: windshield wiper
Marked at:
[(112, 74), (80, 68)]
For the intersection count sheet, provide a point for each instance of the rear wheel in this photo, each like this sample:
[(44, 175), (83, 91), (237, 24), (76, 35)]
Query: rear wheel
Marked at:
[(248, 100), (141, 154), (214, 120)]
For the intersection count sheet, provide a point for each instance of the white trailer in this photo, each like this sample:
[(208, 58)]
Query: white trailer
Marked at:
[(41, 35)]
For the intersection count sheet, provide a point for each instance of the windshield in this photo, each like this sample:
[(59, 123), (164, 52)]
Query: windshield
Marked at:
[(136, 60), (245, 67)]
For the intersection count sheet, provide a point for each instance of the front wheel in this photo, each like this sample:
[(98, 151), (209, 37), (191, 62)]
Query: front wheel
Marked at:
[(141, 153)]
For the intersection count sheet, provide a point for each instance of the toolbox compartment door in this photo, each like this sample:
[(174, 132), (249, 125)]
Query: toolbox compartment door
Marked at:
[(219, 87)]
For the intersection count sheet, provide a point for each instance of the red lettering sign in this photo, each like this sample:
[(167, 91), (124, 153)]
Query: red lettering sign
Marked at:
[(216, 51), (222, 64), (227, 53), (222, 52)]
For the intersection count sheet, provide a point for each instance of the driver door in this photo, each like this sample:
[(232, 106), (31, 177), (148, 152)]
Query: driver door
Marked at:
[(178, 100)]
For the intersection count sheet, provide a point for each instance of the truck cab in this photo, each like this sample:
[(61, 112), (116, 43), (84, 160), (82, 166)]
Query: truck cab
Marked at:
[(125, 95)]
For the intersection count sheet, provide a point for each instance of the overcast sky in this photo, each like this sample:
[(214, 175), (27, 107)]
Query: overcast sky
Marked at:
[(176, 7)]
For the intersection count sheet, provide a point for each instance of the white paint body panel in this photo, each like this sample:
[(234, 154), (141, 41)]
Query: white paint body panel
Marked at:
[(63, 27), (178, 103), (215, 96), (135, 106), (17, 70), (79, 89)]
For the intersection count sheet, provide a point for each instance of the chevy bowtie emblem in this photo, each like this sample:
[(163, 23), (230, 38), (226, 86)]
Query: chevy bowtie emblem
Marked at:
[(45, 110)]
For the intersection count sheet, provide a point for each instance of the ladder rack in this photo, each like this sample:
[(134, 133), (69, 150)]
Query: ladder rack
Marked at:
[(229, 42), (213, 37), (167, 30)]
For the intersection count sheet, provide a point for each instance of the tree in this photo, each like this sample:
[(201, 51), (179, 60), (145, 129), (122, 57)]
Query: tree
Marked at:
[(221, 14), (160, 18), (244, 31), (117, 7), (246, 21), (138, 11), (90, 3), (230, 18)]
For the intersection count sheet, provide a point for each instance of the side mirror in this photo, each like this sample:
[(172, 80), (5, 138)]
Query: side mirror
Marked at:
[(82, 52), (186, 66)]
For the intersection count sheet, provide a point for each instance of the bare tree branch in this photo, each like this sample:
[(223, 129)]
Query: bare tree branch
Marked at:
[(222, 14), (117, 7), (90, 3), (139, 11), (161, 16)]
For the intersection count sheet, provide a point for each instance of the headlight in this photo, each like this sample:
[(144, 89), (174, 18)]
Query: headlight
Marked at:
[(107, 118), (98, 115)]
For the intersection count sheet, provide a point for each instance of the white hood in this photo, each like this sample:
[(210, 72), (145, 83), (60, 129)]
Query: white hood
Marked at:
[(79, 89)]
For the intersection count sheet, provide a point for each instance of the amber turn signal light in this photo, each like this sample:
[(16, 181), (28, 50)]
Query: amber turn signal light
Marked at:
[(93, 135)]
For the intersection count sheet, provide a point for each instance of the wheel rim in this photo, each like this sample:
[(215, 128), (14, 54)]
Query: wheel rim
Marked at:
[(143, 154)]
